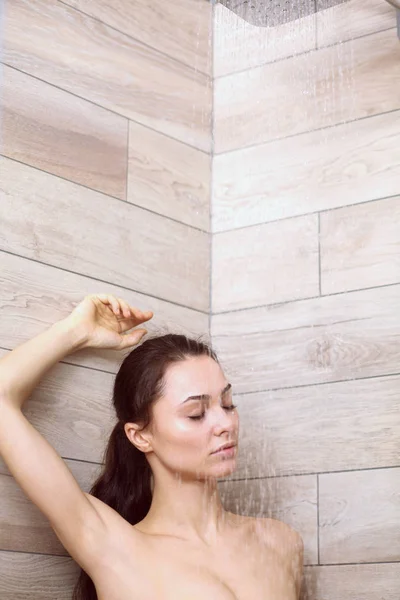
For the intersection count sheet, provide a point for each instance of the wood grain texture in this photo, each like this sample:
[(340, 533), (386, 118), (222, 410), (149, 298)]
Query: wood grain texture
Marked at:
[(360, 246), (292, 500), (178, 28), (79, 54), (61, 224), (346, 164), (256, 265), (35, 295), (64, 135), (360, 516), (319, 428), (169, 177), (352, 19), (84, 399), (332, 338), (318, 89), (239, 45), (347, 582), (37, 577), (23, 527)]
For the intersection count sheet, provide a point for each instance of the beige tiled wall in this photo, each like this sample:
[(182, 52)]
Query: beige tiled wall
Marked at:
[(104, 184), (105, 179), (306, 283)]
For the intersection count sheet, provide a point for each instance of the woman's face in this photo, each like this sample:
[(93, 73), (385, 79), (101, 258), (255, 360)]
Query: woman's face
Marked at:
[(185, 432)]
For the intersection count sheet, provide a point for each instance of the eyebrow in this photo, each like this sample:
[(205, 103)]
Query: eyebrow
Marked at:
[(206, 396)]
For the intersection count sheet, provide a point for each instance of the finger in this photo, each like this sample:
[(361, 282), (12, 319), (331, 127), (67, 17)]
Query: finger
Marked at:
[(141, 315), (131, 339), (126, 311), (114, 304), (129, 322), (108, 300)]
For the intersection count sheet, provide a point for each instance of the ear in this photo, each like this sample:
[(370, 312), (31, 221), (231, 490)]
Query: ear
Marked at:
[(138, 436)]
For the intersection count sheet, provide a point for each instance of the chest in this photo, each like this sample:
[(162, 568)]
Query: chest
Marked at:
[(173, 572)]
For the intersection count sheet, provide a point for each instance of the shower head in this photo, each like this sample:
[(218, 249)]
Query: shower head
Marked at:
[(270, 13)]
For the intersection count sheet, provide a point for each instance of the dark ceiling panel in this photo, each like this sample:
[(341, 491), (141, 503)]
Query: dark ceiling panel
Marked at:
[(270, 13)]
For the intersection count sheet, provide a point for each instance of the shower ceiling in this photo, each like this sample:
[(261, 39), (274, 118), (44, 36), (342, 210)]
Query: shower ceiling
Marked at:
[(270, 13)]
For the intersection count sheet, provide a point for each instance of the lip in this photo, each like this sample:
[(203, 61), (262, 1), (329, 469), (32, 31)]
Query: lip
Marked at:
[(224, 448)]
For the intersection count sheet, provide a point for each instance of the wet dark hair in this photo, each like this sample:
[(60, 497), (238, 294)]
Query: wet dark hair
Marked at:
[(125, 481)]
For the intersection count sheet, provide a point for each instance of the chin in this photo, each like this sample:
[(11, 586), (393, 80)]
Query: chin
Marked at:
[(223, 469)]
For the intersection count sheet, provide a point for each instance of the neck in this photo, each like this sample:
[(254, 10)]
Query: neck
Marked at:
[(186, 508)]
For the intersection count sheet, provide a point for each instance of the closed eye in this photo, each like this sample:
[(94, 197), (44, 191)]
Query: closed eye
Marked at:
[(199, 417)]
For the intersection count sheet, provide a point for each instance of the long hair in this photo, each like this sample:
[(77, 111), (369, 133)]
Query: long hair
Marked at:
[(125, 481)]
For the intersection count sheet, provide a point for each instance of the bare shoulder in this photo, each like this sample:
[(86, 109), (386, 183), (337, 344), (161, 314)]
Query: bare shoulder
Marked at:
[(288, 544), (283, 534)]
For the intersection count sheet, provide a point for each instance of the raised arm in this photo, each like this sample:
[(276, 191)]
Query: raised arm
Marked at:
[(38, 469), (35, 465)]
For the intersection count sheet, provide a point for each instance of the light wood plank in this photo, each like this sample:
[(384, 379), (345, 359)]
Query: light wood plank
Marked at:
[(72, 407), (360, 246), (360, 516), (239, 45), (312, 429), (333, 338), (364, 582), (178, 28), (23, 527), (292, 500), (346, 164), (252, 266), (35, 295), (352, 19), (357, 79), (36, 576), (55, 131), (169, 177), (64, 225), (79, 54)]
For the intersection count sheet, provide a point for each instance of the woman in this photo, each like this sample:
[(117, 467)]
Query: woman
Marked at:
[(153, 526)]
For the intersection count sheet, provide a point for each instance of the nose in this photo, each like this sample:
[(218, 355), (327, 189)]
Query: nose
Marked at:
[(224, 420)]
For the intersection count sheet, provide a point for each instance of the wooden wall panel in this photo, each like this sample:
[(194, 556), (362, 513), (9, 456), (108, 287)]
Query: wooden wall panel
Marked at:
[(332, 338), (64, 135), (84, 399), (23, 527), (315, 90), (319, 428), (36, 576), (254, 265), (179, 28), (347, 582), (316, 171), (360, 246), (68, 49), (169, 177), (72, 83), (35, 295), (360, 516), (352, 19), (56, 222), (315, 380)]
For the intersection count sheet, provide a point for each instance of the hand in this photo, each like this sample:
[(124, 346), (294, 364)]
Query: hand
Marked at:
[(103, 320)]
